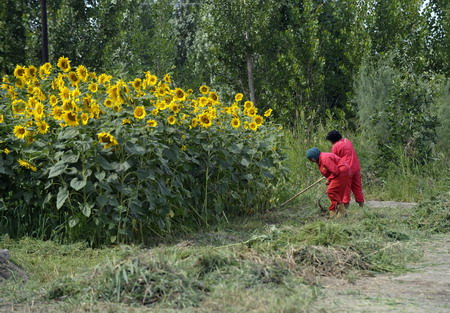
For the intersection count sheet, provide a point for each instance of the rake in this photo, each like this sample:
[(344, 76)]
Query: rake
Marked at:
[(299, 193)]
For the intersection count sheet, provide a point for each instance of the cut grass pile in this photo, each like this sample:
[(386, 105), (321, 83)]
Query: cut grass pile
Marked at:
[(249, 264)]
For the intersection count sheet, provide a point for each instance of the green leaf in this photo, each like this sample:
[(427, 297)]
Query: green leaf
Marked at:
[(132, 148), (100, 176), (245, 162), (68, 133), (62, 196), (57, 169), (70, 158), (73, 222), (77, 184), (86, 209), (104, 163)]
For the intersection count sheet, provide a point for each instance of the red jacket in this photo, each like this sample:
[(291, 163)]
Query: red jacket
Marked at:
[(344, 149), (331, 166)]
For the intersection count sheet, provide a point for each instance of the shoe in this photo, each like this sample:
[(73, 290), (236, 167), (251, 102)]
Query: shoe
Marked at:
[(361, 204), (332, 213), (340, 210)]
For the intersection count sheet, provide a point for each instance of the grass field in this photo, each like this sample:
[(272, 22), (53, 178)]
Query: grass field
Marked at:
[(268, 262)]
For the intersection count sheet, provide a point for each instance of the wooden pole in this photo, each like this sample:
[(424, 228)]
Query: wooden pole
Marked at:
[(300, 192), (44, 31)]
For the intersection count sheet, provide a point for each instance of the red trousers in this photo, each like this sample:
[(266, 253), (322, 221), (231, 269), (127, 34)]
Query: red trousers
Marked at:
[(355, 186), (336, 189)]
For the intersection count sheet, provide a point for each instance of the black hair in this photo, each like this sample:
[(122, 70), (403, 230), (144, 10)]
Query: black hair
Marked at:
[(333, 136)]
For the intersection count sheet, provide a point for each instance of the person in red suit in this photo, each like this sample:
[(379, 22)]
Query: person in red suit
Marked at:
[(337, 172), (343, 148)]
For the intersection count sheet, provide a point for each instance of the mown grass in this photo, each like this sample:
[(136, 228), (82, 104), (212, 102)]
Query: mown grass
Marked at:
[(268, 262)]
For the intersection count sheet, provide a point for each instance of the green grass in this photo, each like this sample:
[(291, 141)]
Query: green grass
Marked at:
[(267, 262)]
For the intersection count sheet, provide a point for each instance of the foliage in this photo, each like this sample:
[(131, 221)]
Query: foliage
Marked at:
[(86, 156), (396, 110), (301, 57)]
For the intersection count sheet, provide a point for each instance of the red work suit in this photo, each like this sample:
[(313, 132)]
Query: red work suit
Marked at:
[(344, 149), (337, 172)]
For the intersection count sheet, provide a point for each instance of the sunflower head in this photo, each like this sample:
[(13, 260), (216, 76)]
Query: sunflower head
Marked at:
[(82, 73), (258, 119), (235, 122), (71, 118), (152, 123), (171, 120), (204, 90), (20, 131), (139, 112), (238, 97), (64, 64)]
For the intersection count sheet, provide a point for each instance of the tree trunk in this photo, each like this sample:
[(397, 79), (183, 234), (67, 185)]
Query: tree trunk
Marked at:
[(251, 82), (44, 31)]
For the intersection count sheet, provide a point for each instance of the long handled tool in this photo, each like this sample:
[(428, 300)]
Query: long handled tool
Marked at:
[(300, 192)]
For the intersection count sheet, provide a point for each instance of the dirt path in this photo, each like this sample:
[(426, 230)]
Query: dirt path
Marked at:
[(425, 289)]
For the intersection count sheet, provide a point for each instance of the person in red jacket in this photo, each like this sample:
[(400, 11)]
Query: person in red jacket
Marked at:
[(337, 172), (343, 148)]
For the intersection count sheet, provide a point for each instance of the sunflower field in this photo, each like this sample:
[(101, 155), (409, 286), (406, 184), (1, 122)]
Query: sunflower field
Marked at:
[(85, 156)]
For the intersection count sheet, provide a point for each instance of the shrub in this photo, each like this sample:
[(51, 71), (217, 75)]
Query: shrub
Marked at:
[(87, 156)]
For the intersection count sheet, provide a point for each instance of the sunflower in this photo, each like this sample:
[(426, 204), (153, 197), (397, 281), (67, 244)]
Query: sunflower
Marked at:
[(84, 118), (258, 119), (150, 79), (268, 113), (64, 93), (213, 96), (2, 118), (6, 151), (155, 112), (108, 103), (47, 67), (194, 122), (74, 79), (137, 83), (82, 73), (20, 83), (107, 139), (238, 97), (139, 112), (174, 108), (126, 121), (38, 111), (171, 120), (19, 71), (252, 111), (179, 94), (167, 78), (64, 64), (57, 112), (203, 101), (160, 92), (152, 123), (204, 90), (183, 148), (103, 79), (248, 105), (53, 100), (42, 127), (42, 72), (20, 132), (31, 71), (205, 120), (253, 126), (93, 87), (27, 165), (71, 118), (235, 122)]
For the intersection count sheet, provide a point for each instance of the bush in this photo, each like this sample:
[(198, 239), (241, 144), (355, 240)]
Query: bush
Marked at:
[(396, 110), (87, 156)]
